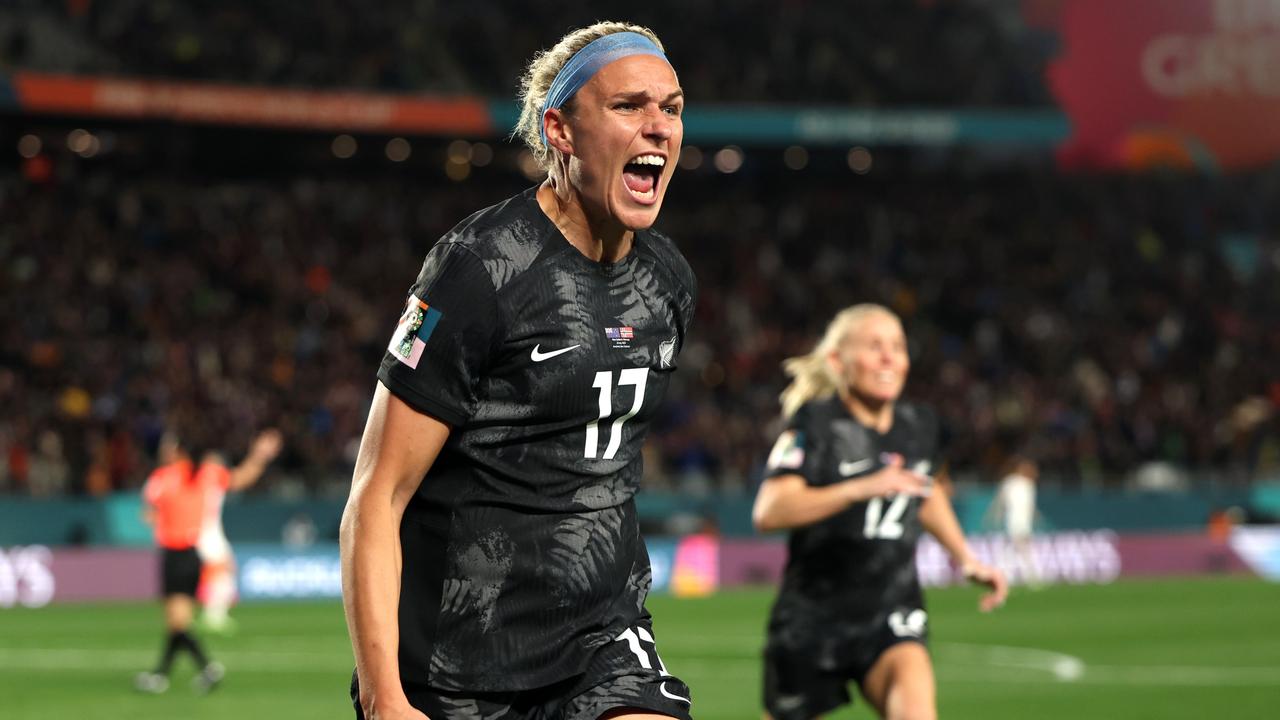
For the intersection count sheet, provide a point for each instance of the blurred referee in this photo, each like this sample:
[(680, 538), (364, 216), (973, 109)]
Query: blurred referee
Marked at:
[(175, 495)]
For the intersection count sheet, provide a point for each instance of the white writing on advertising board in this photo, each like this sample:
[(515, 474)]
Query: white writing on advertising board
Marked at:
[(26, 576)]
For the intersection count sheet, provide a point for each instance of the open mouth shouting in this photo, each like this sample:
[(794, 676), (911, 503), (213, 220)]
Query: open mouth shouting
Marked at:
[(641, 176)]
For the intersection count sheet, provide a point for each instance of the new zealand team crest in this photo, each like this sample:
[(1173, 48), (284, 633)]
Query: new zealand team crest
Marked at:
[(667, 352)]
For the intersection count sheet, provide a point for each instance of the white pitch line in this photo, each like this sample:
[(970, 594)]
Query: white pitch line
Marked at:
[(959, 662), (1072, 669), (1067, 668), (1206, 675), (972, 662)]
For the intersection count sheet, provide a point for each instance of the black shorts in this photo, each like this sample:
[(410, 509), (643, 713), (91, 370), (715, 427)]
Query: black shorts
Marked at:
[(180, 571), (622, 674), (807, 670)]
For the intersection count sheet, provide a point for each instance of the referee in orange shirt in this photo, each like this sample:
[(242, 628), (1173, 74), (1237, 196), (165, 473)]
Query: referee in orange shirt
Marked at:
[(175, 496)]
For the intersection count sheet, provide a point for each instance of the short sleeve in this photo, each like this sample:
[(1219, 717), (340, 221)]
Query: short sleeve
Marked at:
[(793, 452), (443, 339), (214, 473)]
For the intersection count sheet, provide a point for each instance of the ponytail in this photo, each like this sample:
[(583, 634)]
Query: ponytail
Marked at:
[(811, 378)]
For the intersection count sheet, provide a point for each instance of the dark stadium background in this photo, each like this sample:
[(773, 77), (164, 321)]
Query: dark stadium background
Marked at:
[(1085, 256)]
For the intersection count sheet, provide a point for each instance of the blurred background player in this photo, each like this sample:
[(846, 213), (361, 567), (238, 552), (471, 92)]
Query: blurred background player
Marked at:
[(179, 499), (1015, 507), (217, 590), (174, 496), (850, 478)]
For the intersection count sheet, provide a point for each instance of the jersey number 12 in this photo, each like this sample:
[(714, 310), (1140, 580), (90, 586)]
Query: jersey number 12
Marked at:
[(604, 382), (885, 524)]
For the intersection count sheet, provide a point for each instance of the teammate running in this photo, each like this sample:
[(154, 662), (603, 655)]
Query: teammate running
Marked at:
[(850, 478)]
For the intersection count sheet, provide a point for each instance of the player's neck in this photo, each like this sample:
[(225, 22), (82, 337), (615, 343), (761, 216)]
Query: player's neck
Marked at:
[(602, 241), (873, 413)]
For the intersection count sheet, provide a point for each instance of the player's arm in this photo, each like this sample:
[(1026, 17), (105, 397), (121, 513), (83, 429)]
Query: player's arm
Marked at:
[(399, 446), (264, 448), (788, 501), (939, 519)]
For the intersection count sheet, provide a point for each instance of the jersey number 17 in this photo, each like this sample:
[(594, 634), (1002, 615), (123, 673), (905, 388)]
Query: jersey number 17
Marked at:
[(604, 383)]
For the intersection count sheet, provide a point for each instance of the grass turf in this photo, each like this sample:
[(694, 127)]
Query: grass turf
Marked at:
[(1189, 648)]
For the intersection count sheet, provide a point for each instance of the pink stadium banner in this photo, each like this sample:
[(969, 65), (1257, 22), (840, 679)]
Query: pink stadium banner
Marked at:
[(35, 575), (1167, 82), (1075, 557), (246, 105)]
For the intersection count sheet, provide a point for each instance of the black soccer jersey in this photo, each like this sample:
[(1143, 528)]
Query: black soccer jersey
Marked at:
[(521, 547), (857, 562)]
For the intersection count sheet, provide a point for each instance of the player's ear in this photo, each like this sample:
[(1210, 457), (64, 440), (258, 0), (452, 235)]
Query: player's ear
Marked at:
[(559, 135)]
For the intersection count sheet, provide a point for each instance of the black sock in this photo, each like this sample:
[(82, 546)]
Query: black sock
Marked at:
[(171, 645), (194, 648)]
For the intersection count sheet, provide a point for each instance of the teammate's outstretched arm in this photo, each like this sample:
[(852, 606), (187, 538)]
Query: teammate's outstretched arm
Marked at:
[(264, 448), (789, 501), (939, 519), (398, 447)]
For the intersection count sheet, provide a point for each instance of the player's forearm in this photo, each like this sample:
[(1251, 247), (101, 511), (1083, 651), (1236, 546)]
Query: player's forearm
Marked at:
[(801, 505), (370, 551), (247, 472), (939, 520)]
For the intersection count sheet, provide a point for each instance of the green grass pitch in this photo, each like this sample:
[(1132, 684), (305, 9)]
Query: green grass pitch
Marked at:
[(1191, 648)]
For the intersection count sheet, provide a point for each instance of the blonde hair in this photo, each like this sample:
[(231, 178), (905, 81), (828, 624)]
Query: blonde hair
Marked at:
[(811, 374), (537, 80)]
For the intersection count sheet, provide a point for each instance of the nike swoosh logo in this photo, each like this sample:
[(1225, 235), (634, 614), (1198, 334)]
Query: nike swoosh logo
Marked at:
[(851, 468), (537, 356), (663, 689)]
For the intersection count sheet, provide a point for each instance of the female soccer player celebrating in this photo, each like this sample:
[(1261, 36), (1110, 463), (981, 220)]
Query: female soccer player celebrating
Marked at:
[(850, 478), (492, 561)]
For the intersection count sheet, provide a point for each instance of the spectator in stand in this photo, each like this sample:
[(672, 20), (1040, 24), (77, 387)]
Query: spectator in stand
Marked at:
[(866, 53), (219, 284)]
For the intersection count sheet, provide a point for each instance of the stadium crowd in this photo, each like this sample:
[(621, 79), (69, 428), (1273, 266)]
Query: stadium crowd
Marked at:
[(1097, 322), (867, 53)]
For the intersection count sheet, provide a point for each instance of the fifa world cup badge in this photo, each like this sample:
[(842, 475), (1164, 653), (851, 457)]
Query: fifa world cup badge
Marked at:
[(413, 321)]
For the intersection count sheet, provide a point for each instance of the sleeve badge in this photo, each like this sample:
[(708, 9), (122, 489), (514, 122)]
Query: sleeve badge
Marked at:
[(416, 325)]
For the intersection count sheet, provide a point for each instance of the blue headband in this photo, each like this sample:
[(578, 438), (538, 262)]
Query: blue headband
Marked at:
[(587, 62)]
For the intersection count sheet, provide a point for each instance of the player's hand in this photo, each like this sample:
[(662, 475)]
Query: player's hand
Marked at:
[(892, 479), (992, 577), (266, 446)]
